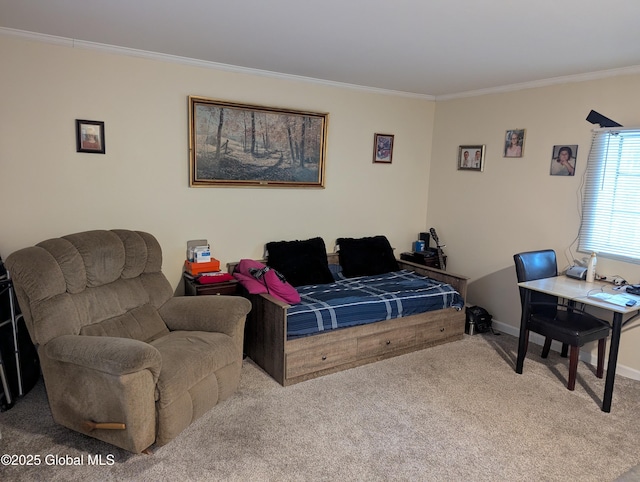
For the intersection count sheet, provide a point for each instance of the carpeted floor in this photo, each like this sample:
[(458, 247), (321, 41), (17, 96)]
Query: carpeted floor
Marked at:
[(452, 412)]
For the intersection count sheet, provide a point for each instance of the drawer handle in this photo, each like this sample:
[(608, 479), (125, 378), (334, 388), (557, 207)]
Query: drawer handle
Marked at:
[(441, 330), (388, 342), (324, 357)]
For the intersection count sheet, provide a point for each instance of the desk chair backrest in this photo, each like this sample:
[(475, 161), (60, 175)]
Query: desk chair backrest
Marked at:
[(533, 265)]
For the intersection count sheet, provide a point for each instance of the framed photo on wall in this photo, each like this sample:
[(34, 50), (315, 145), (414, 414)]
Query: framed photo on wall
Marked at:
[(383, 148), (471, 158), (514, 143), (90, 136), (563, 160)]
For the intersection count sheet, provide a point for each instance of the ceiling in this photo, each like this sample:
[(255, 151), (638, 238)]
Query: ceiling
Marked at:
[(426, 47)]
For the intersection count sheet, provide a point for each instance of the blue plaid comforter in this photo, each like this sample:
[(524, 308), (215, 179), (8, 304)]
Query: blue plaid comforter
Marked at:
[(367, 299)]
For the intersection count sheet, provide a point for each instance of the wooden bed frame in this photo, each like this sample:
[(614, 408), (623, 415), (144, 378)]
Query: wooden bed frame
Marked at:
[(293, 361)]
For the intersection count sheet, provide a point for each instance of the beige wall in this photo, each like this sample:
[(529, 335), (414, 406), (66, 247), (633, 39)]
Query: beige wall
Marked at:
[(48, 189), (515, 205)]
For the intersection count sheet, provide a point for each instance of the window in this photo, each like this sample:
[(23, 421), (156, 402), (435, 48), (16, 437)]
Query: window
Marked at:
[(611, 197)]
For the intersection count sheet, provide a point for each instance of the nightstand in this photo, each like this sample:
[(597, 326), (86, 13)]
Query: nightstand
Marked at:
[(191, 288), (429, 257), (231, 287)]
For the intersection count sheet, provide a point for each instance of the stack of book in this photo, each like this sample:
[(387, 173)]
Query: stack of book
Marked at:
[(200, 266)]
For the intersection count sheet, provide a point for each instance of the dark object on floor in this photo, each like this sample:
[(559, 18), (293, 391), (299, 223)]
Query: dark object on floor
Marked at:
[(19, 366), (478, 320), (29, 363)]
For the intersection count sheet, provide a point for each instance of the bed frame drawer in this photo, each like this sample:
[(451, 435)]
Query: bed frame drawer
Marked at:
[(320, 358), (388, 341), (442, 327)]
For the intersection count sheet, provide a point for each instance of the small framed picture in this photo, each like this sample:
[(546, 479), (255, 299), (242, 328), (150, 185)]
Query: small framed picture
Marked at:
[(514, 143), (563, 160), (471, 158), (383, 148), (90, 136)]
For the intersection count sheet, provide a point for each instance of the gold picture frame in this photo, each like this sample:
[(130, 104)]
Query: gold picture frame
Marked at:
[(233, 144)]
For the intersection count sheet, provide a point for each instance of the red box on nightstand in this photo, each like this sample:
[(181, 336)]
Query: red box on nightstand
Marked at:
[(197, 268)]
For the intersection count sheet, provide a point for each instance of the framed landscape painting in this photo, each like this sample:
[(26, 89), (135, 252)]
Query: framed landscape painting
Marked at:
[(233, 144)]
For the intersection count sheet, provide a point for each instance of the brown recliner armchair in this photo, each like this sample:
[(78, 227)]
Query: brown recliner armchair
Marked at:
[(124, 360)]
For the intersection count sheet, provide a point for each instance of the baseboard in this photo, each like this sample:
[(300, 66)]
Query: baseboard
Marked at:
[(586, 357)]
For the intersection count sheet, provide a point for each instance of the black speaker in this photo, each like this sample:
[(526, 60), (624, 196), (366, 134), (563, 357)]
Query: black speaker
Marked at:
[(425, 237)]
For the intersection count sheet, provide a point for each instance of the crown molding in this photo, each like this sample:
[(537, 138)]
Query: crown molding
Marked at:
[(568, 79), (113, 49)]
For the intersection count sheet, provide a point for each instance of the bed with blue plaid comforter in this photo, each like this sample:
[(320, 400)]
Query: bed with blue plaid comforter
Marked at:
[(367, 299)]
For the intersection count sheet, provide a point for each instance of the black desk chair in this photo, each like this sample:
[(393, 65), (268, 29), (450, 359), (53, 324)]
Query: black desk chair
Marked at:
[(555, 321)]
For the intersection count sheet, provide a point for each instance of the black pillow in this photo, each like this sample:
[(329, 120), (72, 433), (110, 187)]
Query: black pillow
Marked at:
[(301, 262), (366, 256)]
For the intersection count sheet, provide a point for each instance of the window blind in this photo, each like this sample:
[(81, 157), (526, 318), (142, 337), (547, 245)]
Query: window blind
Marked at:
[(611, 196)]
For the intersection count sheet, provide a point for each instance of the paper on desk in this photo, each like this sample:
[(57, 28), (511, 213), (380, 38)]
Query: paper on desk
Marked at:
[(619, 299)]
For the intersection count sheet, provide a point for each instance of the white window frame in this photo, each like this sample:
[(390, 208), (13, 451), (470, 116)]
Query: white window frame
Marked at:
[(610, 223)]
